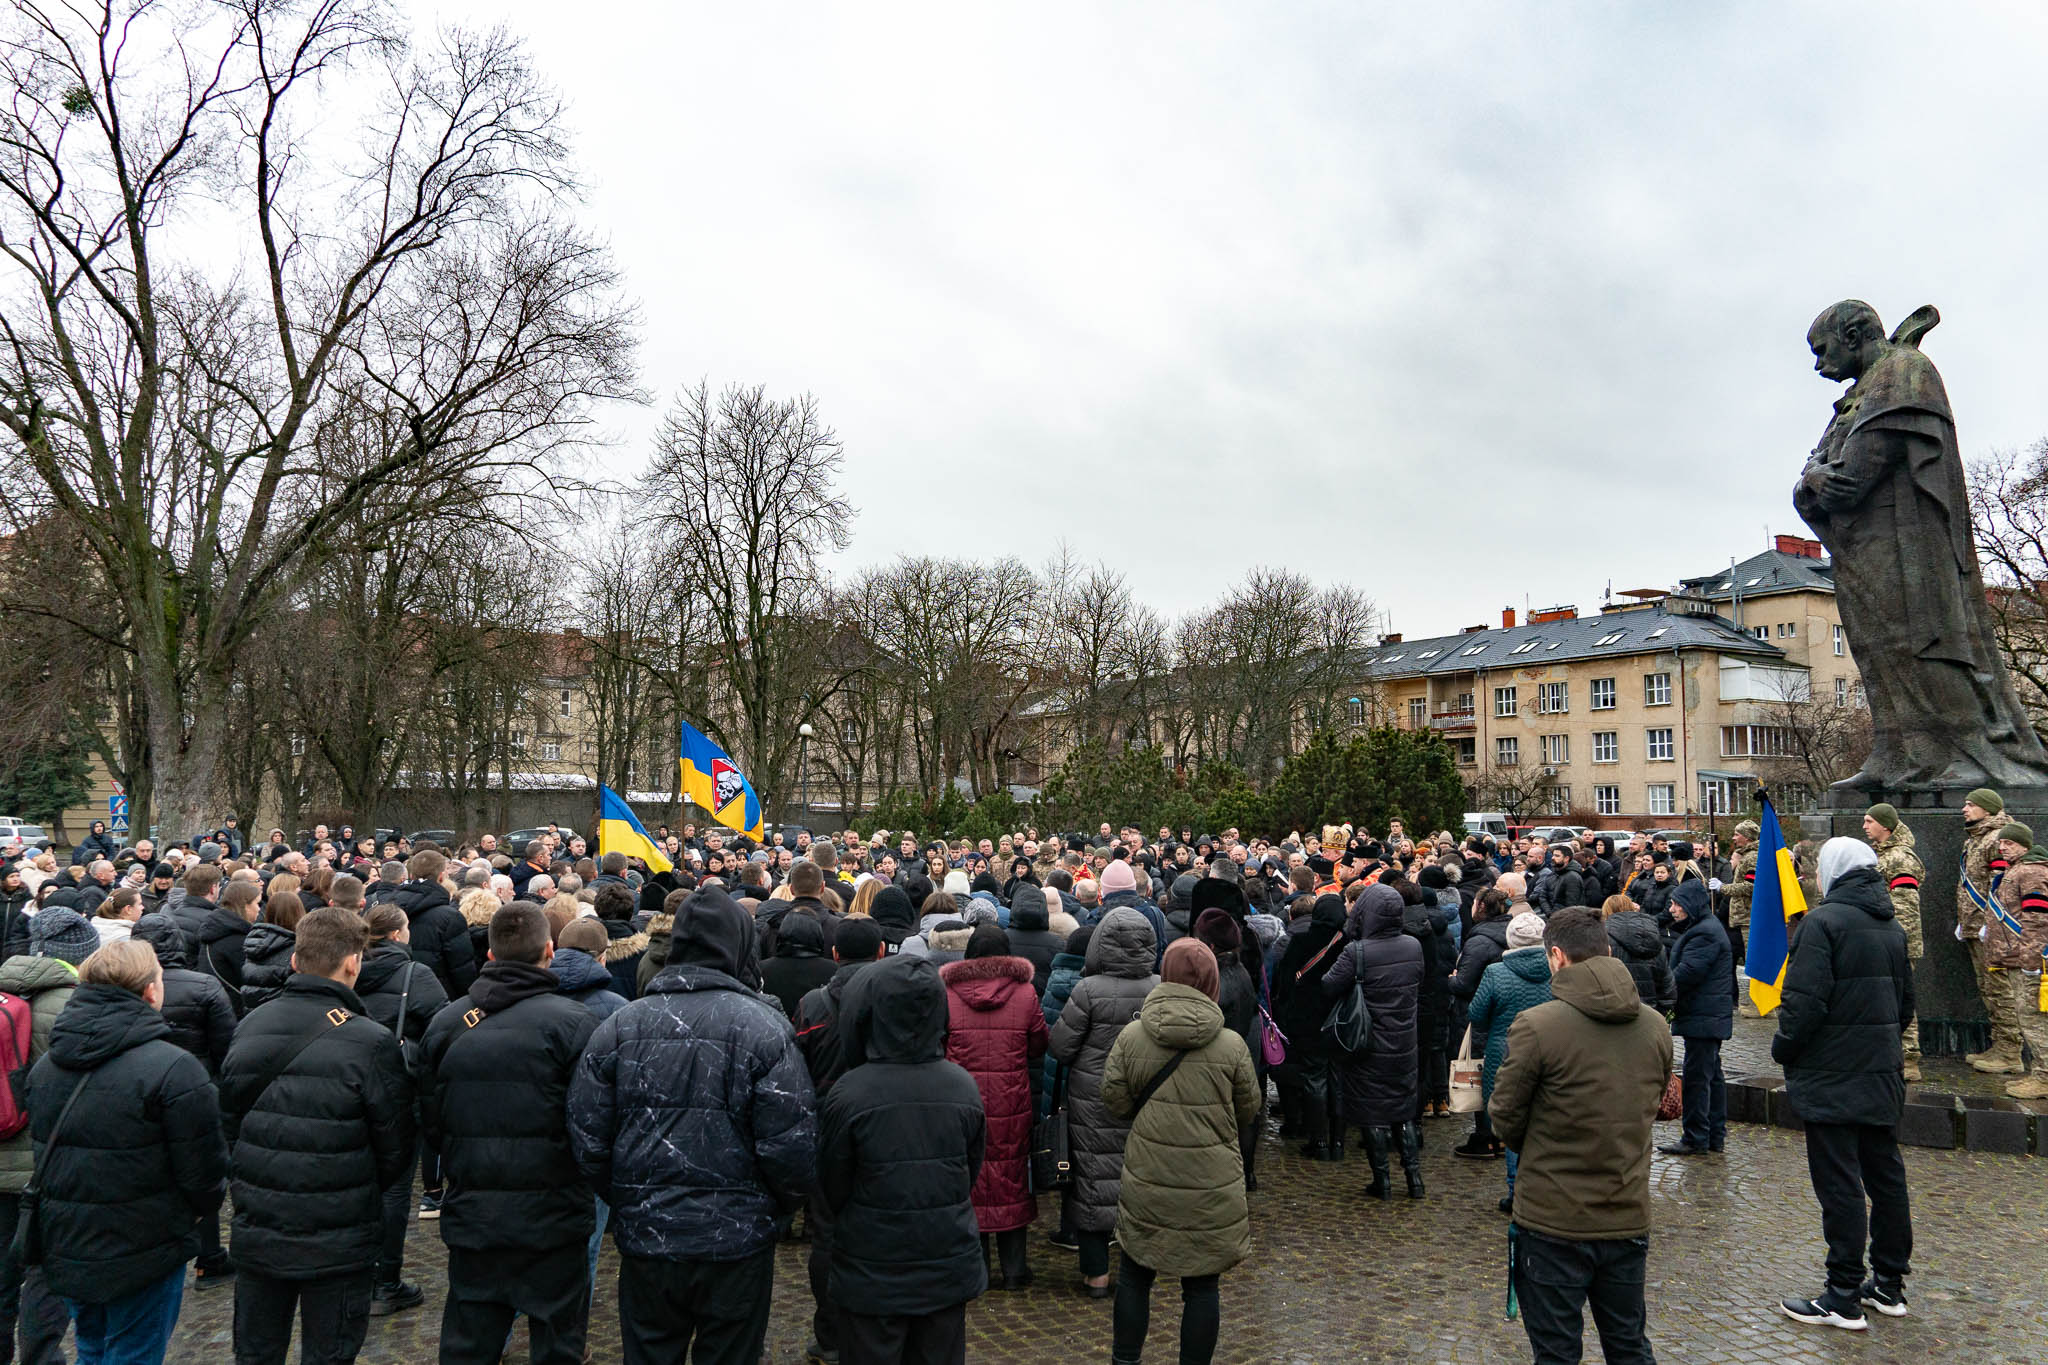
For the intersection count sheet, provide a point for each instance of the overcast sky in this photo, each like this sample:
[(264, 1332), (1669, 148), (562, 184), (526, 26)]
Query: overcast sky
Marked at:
[(1463, 304)]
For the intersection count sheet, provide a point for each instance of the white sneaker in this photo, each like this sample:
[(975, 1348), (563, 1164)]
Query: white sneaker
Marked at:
[(1820, 1315)]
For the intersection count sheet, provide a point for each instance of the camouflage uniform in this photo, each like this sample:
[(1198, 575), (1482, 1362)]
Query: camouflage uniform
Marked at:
[(1902, 870), (2023, 894), (1741, 888), (1981, 861)]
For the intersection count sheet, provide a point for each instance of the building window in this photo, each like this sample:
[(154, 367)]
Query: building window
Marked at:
[(1841, 691), (849, 733), (1607, 746), (1418, 712), (1557, 748), (1560, 800), (1463, 702), (564, 704), (1756, 741), (1716, 796), (1507, 752), (1607, 800), (551, 751), (1856, 693), (1603, 694), (1468, 750), (518, 741), (1663, 798), (1659, 744), (298, 746), (1761, 632), (1355, 710), (1552, 698), (1656, 689), (448, 696), (1503, 701), (1841, 643)]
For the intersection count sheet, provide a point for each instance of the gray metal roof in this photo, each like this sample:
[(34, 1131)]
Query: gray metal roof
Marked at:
[(1615, 634), (1759, 575)]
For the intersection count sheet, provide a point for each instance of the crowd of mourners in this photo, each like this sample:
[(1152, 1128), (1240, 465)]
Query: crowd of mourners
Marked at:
[(913, 1049)]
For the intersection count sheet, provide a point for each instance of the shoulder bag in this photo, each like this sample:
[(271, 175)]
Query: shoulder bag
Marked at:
[(27, 1248), (408, 1048), (1348, 1026), (1158, 1079), (1467, 1095), (1052, 1150)]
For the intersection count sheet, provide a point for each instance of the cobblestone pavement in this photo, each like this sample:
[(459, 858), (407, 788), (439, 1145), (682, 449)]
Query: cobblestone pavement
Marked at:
[(1337, 1277)]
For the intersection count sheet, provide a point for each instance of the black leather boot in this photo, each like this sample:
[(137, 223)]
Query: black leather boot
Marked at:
[(1411, 1160), (1376, 1153)]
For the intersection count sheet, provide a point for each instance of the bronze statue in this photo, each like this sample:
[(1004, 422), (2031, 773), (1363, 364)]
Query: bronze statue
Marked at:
[(1884, 492)]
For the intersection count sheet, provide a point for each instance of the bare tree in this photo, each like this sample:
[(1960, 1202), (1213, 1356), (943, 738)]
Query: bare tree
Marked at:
[(2009, 511), (166, 406), (1810, 742)]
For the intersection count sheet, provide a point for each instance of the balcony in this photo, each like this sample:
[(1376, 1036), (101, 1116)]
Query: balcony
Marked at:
[(1452, 720)]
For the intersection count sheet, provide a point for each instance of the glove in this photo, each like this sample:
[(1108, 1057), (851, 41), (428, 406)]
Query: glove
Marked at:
[(1985, 933), (1959, 933), (1713, 883)]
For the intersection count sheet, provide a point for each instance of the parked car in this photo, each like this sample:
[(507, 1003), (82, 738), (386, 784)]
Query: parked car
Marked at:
[(1557, 834), (1620, 836), (519, 838), (31, 836), (1491, 822), (441, 838)]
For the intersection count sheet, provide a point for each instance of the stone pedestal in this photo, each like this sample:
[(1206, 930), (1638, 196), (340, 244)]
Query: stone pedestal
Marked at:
[(1951, 1015)]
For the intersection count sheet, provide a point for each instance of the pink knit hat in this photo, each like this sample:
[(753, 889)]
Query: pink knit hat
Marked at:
[(1118, 877)]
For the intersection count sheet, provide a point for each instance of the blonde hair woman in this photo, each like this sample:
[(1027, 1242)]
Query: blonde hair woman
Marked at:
[(864, 897)]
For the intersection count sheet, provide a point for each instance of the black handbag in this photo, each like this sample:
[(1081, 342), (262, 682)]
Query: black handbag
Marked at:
[(409, 1049), (27, 1248), (1052, 1149)]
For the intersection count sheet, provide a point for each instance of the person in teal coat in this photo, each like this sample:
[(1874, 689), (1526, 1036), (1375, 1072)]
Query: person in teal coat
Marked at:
[(1519, 981)]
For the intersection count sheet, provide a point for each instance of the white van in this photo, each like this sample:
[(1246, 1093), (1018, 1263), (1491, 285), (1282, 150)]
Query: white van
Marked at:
[(1491, 822)]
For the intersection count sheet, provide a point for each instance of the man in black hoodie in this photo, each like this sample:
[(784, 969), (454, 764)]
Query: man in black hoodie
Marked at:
[(801, 963), (907, 1252), (518, 1214), (818, 1035), (319, 1109), (440, 936)]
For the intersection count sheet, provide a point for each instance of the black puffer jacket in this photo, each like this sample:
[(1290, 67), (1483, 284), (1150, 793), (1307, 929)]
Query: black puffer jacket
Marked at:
[(498, 1063), (1639, 943), (314, 1149), (190, 914), (817, 1028), (1117, 977), (141, 1159), (266, 964), (1299, 1006), (440, 937), (196, 1007), (1032, 938), (691, 1111), (899, 1146), (382, 988), (1484, 946), (1378, 1085), (217, 951), (1848, 998), (1703, 969), (800, 964)]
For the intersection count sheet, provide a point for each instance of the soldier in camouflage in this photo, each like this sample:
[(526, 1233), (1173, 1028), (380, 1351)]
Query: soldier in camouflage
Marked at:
[(1741, 887), (1900, 867), (1983, 817)]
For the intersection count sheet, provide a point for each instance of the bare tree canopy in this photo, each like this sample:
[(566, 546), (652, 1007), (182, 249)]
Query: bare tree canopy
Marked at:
[(236, 332), (2009, 510)]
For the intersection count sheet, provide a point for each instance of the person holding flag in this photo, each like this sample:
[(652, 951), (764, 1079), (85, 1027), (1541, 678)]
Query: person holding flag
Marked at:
[(620, 831), (1847, 997), (712, 780)]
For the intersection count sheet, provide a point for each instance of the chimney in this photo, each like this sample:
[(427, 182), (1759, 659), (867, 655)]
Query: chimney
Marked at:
[(1474, 630), (1799, 547), (1393, 639), (1507, 618), (1566, 613)]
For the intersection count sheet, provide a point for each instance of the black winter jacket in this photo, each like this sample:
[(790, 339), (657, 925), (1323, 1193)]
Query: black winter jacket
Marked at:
[(314, 1149), (382, 988), (1848, 998), (586, 981), (900, 1144), (440, 937), (1484, 946), (196, 1007), (1032, 939), (1639, 944), (817, 1028), (140, 1161), (1703, 969), (217, 950), (800, 964), (691, 1111), (266, 964), (1299, 1006), (495, 1097), (1378, 1085), (190, 913)]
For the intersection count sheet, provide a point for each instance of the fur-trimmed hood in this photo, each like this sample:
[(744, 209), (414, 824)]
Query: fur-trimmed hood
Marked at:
[(986, 983), (951, 940), (619, 949)]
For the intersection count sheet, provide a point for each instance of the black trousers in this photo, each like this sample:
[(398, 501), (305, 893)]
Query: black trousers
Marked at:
[(1319, 1093), (488, 1289), (824, 1312), (1094, 1252), (928, 1339), (709, 1312), (1849, 1162), (1201, 1315), (1013, 1252), (397, 1214), (1705, 1089), (333, 1315), (26, 1301), (1556, 1280)]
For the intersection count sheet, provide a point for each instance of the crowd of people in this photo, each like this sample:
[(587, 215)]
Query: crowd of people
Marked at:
[(918, 1048)]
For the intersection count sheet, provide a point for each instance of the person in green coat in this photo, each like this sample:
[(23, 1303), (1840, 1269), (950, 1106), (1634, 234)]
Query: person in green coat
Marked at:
[(1181, 1209), (1519, 981)]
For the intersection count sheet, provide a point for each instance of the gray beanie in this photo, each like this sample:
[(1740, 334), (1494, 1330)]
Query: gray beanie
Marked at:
[(61, 932)]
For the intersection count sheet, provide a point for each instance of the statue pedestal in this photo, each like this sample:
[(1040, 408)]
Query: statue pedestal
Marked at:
[(1952, 1019)]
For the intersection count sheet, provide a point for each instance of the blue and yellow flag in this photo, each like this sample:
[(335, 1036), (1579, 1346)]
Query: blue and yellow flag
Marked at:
[(620, 831), (1776, 900), (712, 780)]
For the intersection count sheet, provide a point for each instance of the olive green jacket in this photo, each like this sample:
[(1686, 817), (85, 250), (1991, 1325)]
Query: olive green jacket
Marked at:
[(1182, 1207), (46, 983)]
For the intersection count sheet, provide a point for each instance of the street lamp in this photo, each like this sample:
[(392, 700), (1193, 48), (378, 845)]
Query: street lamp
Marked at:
[(803, 768)]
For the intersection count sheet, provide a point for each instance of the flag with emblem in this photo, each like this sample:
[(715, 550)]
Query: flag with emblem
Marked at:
[(712, 780)]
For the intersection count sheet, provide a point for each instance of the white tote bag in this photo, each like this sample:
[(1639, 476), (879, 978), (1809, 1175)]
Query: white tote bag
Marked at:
[(1465, 1068)]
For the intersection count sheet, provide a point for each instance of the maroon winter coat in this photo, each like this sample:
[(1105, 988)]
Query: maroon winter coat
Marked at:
[(997, 1032)]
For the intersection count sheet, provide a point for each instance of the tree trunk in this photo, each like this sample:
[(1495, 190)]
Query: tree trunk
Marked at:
[(186, 763)]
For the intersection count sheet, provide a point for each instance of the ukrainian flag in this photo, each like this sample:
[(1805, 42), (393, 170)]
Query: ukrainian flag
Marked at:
[(1776, 900), (620, 831), (712, 780)]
